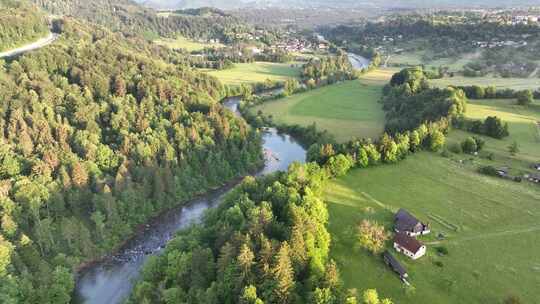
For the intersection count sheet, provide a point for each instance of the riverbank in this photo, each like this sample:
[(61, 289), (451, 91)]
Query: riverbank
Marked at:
[(110, 279)]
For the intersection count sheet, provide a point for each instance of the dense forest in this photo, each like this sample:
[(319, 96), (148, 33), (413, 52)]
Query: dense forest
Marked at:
[(130, 18), (20, 23), (98, 134), (329, 69), (409, 101), (266, 243)]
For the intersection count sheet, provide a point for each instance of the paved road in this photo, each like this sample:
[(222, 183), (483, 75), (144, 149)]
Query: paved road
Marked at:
[(31, 46)]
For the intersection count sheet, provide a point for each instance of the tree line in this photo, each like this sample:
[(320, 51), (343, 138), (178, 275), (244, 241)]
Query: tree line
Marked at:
[(98, 133), (328, 69), (132, 19)]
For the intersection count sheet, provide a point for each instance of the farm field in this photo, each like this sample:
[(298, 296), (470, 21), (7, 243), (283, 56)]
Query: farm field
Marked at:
[(244, 73), (524, 128), (491, 229), (346, 110), (186, 44), (416, 58), (498, 82)]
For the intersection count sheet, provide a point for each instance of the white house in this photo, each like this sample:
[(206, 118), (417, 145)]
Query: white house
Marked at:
[(409, 246)]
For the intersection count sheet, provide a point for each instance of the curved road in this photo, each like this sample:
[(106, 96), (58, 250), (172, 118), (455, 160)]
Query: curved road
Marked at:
[(31, 46)]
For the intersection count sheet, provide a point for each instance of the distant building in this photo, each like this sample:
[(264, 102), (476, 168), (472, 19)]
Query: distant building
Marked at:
[(408, 224), (409, 246), (391, 261)]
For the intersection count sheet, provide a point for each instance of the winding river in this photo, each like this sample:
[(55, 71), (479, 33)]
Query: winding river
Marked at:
[(111, 280)]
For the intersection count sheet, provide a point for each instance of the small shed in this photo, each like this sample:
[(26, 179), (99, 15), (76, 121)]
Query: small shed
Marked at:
[(391, 261)]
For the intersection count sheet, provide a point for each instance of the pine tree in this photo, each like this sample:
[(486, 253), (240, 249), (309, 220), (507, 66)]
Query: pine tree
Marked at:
[(283, 275), (79, 176)]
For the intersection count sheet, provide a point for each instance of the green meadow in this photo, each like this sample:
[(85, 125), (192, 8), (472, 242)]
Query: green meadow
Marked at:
[(246, 73), (524, 128), (186, 44), (346, 110), (491, 225), (491, 229), (498, 82), (455, 64)]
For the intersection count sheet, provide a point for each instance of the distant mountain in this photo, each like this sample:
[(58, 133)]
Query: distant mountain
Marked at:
[(232, 4)]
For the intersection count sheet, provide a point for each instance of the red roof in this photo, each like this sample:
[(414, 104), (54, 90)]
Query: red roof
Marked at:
[(407, 242)]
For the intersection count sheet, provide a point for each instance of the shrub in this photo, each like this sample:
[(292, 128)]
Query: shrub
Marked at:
[(524, 97), (372, 236), (455, 148), (441, 250), (488, 170), (438, 264), (469, 145)]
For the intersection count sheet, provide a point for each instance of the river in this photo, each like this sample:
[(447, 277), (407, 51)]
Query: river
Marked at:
[(111, 280), (359, 62)]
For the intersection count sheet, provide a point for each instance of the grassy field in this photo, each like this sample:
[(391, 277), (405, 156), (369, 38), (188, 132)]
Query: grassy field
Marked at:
[(416, 58), (186, 44), (257, 72), (523, 127), (346, 110), (491, 225), (498, 82)]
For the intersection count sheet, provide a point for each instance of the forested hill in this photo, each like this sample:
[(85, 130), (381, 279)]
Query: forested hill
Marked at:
[(20, 23), (368, 4), (131, 18), (98, 134)]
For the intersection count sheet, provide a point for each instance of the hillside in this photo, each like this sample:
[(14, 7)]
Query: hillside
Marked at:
[(230, 4), (20, 24), (129, 17), (99, 134)]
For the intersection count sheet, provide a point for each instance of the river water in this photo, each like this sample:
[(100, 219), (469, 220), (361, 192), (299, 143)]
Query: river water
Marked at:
[(111, 280), (359, 62)]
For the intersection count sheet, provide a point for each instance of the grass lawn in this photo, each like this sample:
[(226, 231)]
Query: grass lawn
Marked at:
[(498, 82), (493, 249), (186, 44), (416, 58), (244, 73), (523, 127), (349, 109)]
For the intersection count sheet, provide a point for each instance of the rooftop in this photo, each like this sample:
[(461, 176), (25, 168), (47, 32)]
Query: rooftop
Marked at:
[(407, 242), (393, 262), (405, 221)]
